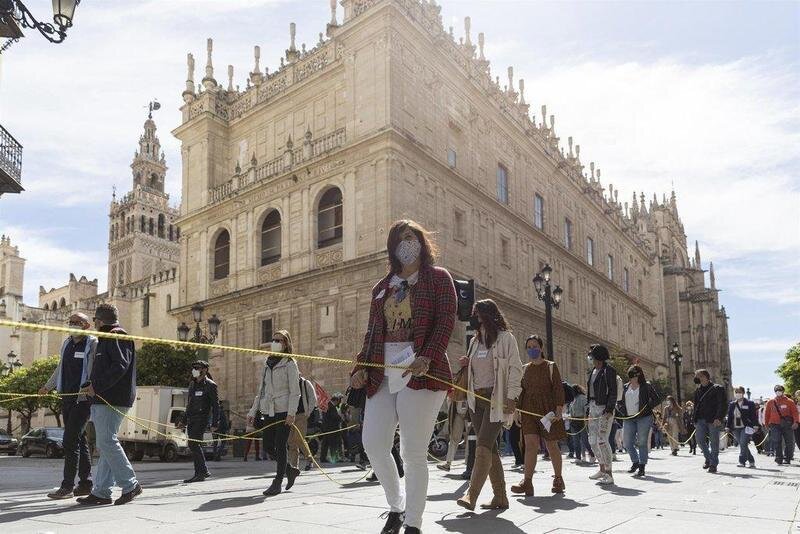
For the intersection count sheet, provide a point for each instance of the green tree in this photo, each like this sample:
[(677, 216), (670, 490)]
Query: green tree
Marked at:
[(620, 364), (28, 380), (789, 370), (158, 364)]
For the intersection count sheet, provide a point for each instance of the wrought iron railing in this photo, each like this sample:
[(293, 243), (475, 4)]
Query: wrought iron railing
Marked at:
[(10, 156)]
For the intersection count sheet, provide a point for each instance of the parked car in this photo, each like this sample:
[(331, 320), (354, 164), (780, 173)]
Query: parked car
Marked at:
[(8, 443), (48, 441)]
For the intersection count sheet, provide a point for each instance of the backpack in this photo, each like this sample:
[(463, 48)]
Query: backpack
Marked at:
[(309, 393), (569, 391)]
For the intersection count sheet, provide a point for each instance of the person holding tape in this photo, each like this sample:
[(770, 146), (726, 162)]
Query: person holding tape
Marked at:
[(278, 398), (742, 422), (411, 317), (602, 387), (202, 403), (73, 369), (639, 398)]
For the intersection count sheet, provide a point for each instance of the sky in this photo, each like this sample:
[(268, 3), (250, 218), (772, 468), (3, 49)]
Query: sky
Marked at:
[(702, 97)]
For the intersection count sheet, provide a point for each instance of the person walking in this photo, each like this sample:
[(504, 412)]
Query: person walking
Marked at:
[(412, 312), (494, 374), (332, 422), (456, 428), (673, 423), (203, 404), (710, 407), (73, 369), (577, 424), (278, 398), (542, 393), (688, 424), (297, 442), (602, 387), (112, 386), (636, 407), (781, 418), (742, 423)]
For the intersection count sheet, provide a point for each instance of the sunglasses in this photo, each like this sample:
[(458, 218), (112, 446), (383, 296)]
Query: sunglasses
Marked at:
[(276, 340)]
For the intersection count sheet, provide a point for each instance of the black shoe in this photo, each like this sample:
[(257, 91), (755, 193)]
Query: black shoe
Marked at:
[(712, 469), (83, 488), (93, 500), (291, 474), (412, 530), (640, 472), (372, 477), (125, 498), (308, 466), (61, 493), (245, 459), (674, 453), (633, 468), (274, 489), (706, 465), (394, 522), (466, 475)]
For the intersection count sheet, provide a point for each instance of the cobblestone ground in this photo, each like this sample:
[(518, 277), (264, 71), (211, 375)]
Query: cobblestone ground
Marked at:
[(677, 495)]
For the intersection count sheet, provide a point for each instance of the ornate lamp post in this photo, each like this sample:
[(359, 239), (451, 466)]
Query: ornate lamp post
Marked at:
[(551, 298), (676, 356), (14, 14), (199, 335)]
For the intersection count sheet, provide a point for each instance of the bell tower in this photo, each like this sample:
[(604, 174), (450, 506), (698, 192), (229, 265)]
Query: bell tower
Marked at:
[(149, 166)]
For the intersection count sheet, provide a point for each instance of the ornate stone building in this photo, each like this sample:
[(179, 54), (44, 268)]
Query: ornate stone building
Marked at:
[(290, 185)]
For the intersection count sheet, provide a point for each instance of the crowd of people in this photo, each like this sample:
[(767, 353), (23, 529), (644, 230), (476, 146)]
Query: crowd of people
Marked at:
[(399, 384)]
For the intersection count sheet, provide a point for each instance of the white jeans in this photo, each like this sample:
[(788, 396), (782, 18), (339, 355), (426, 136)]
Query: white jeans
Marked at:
[(416, 411), (599, 428)]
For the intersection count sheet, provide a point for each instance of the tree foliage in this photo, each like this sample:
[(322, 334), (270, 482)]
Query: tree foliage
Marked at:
[(162, 365), (789, 370), (28, 380)]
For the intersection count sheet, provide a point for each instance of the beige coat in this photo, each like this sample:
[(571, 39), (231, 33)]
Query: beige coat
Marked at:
[(507, 376)]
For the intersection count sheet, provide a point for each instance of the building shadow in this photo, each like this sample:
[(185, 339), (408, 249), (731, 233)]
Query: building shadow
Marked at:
[(485, 523), (550, 505)]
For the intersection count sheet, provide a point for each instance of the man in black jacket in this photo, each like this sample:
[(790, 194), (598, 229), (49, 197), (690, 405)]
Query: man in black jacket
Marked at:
[(202, 402), (331, 420), (710, 405), (112, 385)]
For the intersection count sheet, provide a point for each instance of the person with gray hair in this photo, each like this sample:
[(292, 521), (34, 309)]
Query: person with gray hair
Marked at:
[(73, 369), (112, 385)]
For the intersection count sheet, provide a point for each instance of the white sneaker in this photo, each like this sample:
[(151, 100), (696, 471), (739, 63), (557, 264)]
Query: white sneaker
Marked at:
[(597, 475), (614, 458), (740, 465), (606, 480)]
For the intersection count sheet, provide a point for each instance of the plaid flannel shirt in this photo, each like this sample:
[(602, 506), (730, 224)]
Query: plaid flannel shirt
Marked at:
[(433, 308)]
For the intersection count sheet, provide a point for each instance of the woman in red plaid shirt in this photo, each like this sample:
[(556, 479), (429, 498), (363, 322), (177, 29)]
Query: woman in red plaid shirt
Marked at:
[(410, 321)]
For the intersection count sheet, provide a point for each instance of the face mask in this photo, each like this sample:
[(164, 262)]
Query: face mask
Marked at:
[(779, 393), (590, 360), (696, 380), (196, 373), (534, 353), (277, 346), (739, 396), (408, 251)]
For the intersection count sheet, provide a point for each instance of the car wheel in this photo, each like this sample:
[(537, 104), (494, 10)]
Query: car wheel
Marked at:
[(50, 451), (25, 452), (138, 456), (170, 453)]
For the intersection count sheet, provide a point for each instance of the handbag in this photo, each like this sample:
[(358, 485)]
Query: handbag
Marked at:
[(357, 398)]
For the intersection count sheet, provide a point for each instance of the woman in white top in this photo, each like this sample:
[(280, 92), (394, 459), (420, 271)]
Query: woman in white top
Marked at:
[(277, 400), (637, 402)]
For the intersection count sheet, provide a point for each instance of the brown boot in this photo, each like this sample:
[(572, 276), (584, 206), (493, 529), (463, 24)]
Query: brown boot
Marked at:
[(526, 487), (498, 479), (558, 485), (480, 470)]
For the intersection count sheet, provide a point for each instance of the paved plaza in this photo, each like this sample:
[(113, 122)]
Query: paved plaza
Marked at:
[(676, 496)]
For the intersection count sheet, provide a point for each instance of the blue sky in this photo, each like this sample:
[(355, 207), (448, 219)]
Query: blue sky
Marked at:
[(704, 96)]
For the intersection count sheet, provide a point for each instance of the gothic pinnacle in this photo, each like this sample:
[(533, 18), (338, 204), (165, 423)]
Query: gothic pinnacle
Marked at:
[(522, 91), (208, 81), (481, 42), (230, 78), (467, 38), (188, 93)]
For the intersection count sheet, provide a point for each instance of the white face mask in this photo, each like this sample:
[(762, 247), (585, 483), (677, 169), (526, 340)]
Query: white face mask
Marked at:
[(196, 373), (739, 396), (779, 393), (277, 346), (408, 251)]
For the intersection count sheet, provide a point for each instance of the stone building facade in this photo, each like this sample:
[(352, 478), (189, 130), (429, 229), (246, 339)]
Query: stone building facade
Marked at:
[(290, 186)]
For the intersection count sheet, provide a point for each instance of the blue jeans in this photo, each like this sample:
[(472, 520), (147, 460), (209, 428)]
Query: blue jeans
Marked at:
[(577, 441), (782, 437), (708, 430), (743, 439), (113, 467), (635, 433)]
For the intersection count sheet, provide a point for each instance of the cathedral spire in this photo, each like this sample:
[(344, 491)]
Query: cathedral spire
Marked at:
[(698, 265), (711, 275)]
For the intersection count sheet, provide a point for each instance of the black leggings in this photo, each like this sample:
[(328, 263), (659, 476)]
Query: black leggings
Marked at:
[(278, 437)]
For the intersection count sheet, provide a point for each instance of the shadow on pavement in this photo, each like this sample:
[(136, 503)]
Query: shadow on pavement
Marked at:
[(735, 475), (549, 505), (488, 522), (627, 492), (452, 496), (41, 511), (657, 480), (230, 502)]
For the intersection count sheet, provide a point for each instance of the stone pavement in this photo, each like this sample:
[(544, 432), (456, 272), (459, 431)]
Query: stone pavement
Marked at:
[(677, 495)]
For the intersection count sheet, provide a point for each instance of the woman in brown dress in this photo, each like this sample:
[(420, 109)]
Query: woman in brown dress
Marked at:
[(542, 392)]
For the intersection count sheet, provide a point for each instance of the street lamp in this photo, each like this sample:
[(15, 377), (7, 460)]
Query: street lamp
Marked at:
[(199, 335), (551, 298), (676, 356), (748, 393), (12, 362), (14, 14)]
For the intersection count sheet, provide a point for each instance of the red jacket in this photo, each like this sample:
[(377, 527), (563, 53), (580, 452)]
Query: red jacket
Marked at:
[(780, 407), (433, 309)]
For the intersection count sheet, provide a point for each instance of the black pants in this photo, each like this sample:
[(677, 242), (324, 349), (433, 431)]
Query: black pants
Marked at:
[(278, 435), (513, 436), (76, 449), (331, 442), (195, 429)]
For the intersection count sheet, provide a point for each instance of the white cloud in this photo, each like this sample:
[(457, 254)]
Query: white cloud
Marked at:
[(763, 345)]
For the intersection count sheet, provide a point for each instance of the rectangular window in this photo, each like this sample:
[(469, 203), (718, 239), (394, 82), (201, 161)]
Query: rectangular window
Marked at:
[(571, 289), (590, 251), (630, 324), (169, 302), (146, 311), (567, 233), (538, 212), (610, 267), (504, 250), (266, 331), (614, 314), (594, 303), (459, 232), (451, 158), (625, 280), (502, 184), (644, 337)]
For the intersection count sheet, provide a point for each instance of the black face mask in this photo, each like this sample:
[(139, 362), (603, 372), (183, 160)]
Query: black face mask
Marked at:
[(696, 380)]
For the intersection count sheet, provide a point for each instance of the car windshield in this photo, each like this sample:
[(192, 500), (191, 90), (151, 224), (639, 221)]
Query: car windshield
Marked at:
[(55, 433)]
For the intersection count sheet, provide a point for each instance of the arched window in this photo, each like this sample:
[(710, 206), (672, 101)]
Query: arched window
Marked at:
[(62, 303), (46, 307), (329, 218), (54, 305), (170, 232), (169, 302), (222, 255), (143, 224), (161, 224), (271, 238), (150, 226), (153, 180)]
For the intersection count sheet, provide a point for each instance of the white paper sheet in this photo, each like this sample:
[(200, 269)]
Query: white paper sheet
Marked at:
[(749, 430), (547, 421), (396, 379)]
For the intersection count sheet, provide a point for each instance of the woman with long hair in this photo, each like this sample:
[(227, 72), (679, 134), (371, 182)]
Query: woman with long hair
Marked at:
[(602, 388), (673, 423), (277, 399), (638, 399), (411, 316), (494, 374)]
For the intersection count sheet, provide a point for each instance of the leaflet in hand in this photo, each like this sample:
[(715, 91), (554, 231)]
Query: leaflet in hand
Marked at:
[(396, 379), (547, 421), (749, 430)]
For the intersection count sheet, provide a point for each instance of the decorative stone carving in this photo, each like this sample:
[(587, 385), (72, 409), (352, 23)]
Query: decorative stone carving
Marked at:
[(220, 287), (329, 257), (269, 273)]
